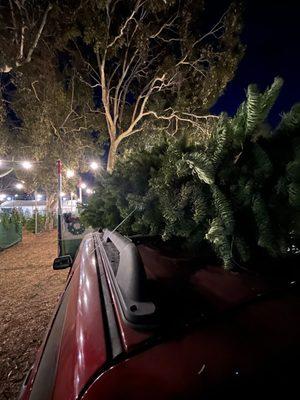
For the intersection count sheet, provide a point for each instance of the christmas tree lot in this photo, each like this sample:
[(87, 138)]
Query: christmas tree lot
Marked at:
[(237, 190)]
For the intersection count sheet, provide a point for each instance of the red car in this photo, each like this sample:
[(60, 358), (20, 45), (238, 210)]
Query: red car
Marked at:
[(135, 324)]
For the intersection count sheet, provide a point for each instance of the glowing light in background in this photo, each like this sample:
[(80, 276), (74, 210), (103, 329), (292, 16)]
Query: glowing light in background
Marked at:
[(19, 185), (94, 165), (70, 173), (26, 164)]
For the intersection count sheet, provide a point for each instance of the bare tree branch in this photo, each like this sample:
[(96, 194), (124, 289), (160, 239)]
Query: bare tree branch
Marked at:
[(38, 35), (34, 90), (137, 7), (20, 59)]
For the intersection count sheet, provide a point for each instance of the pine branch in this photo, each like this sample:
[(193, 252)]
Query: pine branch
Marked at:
[(223, 209), (201, 166), (216, 235), (266, 238)]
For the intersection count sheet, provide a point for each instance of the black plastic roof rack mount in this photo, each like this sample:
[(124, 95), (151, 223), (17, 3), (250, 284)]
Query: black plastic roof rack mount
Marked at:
[(130, 281)]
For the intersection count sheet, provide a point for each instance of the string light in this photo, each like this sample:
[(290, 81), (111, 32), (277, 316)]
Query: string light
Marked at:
[(26, 164), (94, 165), (19, 185), (70, 173)]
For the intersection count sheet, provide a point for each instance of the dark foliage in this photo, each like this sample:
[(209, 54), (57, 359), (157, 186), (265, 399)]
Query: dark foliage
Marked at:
[(238, 190)]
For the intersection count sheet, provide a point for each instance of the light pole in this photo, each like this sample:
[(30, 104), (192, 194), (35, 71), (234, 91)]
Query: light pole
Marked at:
[(82, 185), (59, 208)]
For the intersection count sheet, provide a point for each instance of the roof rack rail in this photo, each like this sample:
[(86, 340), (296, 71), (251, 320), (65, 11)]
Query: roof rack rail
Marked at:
[(130, 281)]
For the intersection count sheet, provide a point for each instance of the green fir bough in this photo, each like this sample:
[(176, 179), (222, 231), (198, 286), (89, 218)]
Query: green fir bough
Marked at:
[(239, 189)]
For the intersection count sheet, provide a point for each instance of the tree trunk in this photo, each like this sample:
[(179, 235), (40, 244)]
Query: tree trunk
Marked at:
[(112, 155), (50, 203)]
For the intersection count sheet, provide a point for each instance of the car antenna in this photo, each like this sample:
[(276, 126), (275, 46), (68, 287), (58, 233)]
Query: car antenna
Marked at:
[(123, 220)]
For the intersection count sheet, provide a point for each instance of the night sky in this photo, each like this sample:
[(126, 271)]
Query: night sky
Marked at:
[(271, 34)]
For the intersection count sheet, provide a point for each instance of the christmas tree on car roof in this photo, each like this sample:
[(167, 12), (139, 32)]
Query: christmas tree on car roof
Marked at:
[(238, 190)]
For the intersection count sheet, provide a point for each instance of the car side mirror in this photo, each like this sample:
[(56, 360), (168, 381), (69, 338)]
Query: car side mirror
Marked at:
[(62, 262)]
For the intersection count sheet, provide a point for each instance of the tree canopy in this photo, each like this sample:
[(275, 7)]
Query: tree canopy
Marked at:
[(118, 68), (154, 62), (56, 122), (22, 27)]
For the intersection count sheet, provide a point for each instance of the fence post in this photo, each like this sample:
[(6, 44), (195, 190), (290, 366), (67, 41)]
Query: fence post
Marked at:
[(35, 213)]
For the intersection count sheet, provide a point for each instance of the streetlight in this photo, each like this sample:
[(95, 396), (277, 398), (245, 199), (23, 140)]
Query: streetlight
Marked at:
[(26, 164), (83, 185), (89, 191), (8, 198), (70, 173)]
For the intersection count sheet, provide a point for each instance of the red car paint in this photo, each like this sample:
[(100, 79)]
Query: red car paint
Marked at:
[(83, 343), (82, 348), (193, 363), (245, 336)]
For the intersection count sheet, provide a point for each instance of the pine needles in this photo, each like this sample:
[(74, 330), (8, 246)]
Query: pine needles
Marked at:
[(239, 190)]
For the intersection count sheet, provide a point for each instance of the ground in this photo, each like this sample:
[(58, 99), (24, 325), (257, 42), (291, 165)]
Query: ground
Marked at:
[(29, 289)]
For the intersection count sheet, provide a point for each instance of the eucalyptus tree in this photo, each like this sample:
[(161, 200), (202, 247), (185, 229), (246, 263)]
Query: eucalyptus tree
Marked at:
[(155, 62), (22, 29), (55, 119)]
